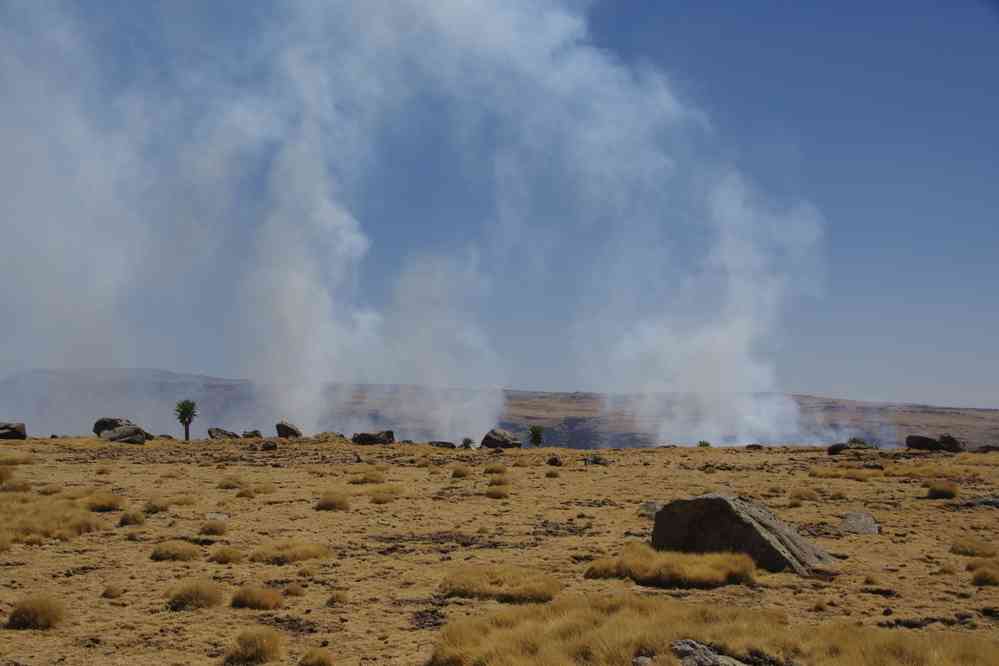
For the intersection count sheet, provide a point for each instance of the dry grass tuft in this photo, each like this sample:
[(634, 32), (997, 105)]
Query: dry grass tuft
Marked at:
[(316, 657), (372, 476), (131, 518), (37, 612), (499, 492), (612, 629), (647, 566), (103, 501), (227, 555), (175, 551), (460, 472), (30, 519), (14, 459), (246, 493), (255, 646), (256, 597), (384, 494), (942, 490), (231, 483), (499, 481), (333, 500), (495, 468), (338, 598), (985, 572), (112, 591), (972, 547), (288, 552), (294, 590), (213, 528), (851, 473), (195, 594), (551, 474), (6, 474), (5, 541), (503, 583), (156, 505), (804, 495)]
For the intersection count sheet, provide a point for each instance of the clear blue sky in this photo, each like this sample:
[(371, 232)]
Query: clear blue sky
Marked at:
[(637, 195)]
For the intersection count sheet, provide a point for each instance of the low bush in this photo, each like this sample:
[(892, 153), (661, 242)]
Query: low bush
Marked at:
[(226, 555), (942, 490), (194, 594), (255, 597), (37, 612), (255, 646), (175, 551), (333, 501)]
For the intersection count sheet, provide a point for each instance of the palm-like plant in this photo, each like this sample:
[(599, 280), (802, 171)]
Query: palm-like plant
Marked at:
[(186, 411), (536, 435)]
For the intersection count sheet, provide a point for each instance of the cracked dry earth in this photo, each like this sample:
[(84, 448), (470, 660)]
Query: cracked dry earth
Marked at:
[(388, 559)]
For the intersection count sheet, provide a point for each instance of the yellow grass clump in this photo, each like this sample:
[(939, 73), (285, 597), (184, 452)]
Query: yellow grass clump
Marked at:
[(255, 597), (316, 657), (507, 584), (213, 528), (498, 492), (246, 493), (175, 551), (288, 552), (851, 473), (255, 646), (460, 472), (333, 500), (194, 594), (338, 598), (112, 591), (384, 494), (103, 501), (6, 474), (14, 459), (973, 547), (499, 480), (37, 612), (551, 474), (32, 518), (231, 483), (372, 476), (294, 590), (611, 629), (647, 566), (156, 505), (804, 494), (131, 518), (942, 490), (985, 572), (226, 555), (495, 468)]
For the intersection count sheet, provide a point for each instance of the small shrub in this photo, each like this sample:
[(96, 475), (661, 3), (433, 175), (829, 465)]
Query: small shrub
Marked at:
[(647, 566), (156, 505), (499, 492), (506, 584), (316, 657), (551, 474), (288, 552), (972, 547), (460, 472), (195, 594), (495, 468), (37, 612), (231, 483), (213, 528), (255, 646), (227, 555), (294, 590), (338, 598), (175, 551), (372, 476), (942, 490), (255, 597), (112, 591), (333, 501), (102, 502), (130, 518), (246, 493), (499, 481), (704, 444)]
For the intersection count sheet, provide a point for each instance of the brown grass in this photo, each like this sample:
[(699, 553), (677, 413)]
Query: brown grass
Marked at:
[(37, 612), (338, 598), (227, 555), (851, 473), (258, 645), (333, 500), (942, 490), (112, 591), (103, 501), (499, 480), (288, 552), (973, 547), (804, 494), (213, 528), (612, 629), (6, 474), (194, 594), (231, 483), (246, 493), (507, 584), (384, 494), (495, 468), (14, 459), (985, 572), (131, 518), (316, 657), (647, 566), (32, 518), (551, 474), (372, 476), (460, 472), (499, 492), (256, 597), (175, 551), (156, 505), (294, 590)]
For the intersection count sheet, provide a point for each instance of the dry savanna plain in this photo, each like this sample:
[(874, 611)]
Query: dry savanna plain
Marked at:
[(318, 551)]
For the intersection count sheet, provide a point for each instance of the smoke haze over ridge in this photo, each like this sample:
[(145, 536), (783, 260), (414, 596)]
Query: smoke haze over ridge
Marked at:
[(441, 194)]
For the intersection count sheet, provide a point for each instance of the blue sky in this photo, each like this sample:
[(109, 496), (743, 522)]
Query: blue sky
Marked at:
[(638, 196)]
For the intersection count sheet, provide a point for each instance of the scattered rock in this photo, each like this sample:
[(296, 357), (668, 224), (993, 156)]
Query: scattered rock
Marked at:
[(497, 438), (221, 433), (287, 430), (981, 502), (443, 445), (650, 508), (126, 434), (109, 423), (720, 523), (923, 443), (13, 431), (368, 438), (596, 459), (692, 653), (859, 523), (252, 434), (554, 461)]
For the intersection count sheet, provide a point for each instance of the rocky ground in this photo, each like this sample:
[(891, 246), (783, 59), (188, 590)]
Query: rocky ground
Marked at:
[(411, 523)]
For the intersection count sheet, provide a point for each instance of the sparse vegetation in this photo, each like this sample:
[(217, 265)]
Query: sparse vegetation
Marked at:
[(384, 494), (194, 594), (316, 657), (102, 502), (213, 528), (371, 476), (506, 584), (942, 490), (333, 500), (647, 566), (498, 492), (175, 551), (460, 472), (973, 547), (255, 597), (130, 518), (255, 646), (37, 612), (289, 552), (495, 468), (227, 555)]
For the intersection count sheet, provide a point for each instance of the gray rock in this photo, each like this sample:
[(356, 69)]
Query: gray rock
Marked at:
[(288, 430), (252, 434), (126, 434), (443, 445), (269, 445), (859, 523), (497, 438), (369, 438), (923, 443), (109, 423), (221, 433), (642, 661), (720, 523), (554, 461), (13, 431), (692, 653)]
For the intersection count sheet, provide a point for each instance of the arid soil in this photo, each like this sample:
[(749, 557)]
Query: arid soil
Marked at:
[(411, 524)]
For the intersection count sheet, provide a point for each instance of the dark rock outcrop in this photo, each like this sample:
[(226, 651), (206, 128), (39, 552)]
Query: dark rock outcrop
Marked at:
[(497, 438), (109, 423), (252, 434), (719, 523), (13, 431), (554, 461), (368, 438), (221, 433), (126, 434), (923, 443), (287, 430), (443, 445)]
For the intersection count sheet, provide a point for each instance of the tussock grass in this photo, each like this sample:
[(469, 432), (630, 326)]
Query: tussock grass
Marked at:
[(851, 473), (227, 555), (551, 474), (507, 584), (294, 590), (132, 518), (647, 566), (175, 551), (985, 572), (103, 501), (256, 597), (15, 459), (371, 477), (231, 483), (333, 500), (263, 488), (258, 645), (213, 528), (495, 468), (30, 519), (338, 598), (37, 612), (156, 505), (288, 552), (6, 474), (183, 500), (246, 493), (384, 494), (460, 472), (316, 657), (804, 494), (112, 591), (499, 481), (611, 630), (194, 594), (942, 490), (498, 492), (15, 486), (973, 547)]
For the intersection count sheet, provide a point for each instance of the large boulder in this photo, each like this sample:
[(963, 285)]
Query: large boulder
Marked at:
[(720, 523), (693, 653), (497, 438), (923, 443), (109, 423), (288, 430), (252, 434), (221, 433), (126, 434), (13, 431), (368, 438)]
